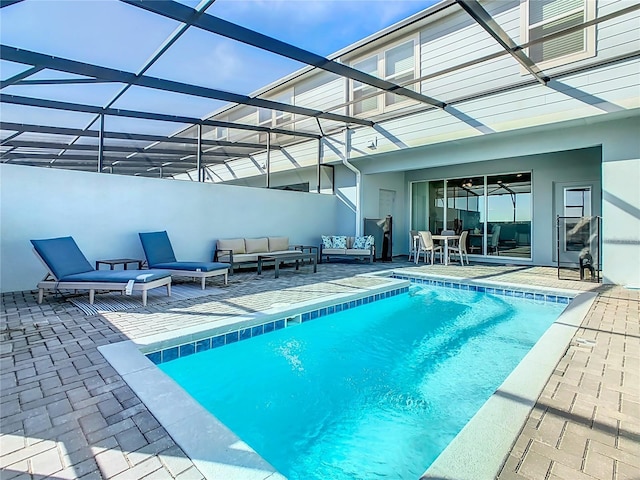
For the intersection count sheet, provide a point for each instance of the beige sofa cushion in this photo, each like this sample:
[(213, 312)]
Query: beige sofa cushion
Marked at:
[(235, 244), (239, 258), (334, 251), (278, 244), (256, 245)]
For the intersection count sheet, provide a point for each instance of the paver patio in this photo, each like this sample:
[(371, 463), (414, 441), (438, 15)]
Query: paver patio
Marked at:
[(66, 414)]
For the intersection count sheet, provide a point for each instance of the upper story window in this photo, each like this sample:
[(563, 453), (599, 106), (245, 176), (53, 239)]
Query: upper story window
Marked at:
[(544, 17), (276, 118), (219, 133), (397, 64)]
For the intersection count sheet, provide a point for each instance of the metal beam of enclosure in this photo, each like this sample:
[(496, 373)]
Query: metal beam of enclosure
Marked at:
[(112, 148), (108, 160), (117, 112), (6, 3), (24, 127), (60, 64), (100, 144), (486, 21), (210, 23), (20, 76), (62, 81)]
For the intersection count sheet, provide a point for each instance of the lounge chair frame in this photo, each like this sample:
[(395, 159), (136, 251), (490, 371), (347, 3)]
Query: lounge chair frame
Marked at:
[(201, 275), (160, 240), (50, 282)]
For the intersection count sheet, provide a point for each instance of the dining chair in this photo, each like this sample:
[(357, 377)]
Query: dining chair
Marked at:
[(461, 248), (494, 239), (452, 242), (426, 245), (413, 244)]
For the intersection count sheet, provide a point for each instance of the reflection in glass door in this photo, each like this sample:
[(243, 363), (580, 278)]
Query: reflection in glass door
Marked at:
[(436, 206), (509, 215), (465, 210), (419, 206)]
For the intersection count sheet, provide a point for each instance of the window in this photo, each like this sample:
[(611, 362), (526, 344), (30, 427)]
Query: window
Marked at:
[(399, 68), (544, 17), (397, 65), (359, 90), (275, 118), (219, 133)]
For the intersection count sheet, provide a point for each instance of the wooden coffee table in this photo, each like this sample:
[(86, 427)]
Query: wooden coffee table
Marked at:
[(287, 257)]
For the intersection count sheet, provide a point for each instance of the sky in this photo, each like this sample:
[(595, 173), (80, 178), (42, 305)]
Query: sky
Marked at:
[(116, 35)]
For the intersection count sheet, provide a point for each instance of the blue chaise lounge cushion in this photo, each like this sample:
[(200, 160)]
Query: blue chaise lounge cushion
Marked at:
[(117, 276), (159, 252), (193, 266), (62, 256), (157, 248)]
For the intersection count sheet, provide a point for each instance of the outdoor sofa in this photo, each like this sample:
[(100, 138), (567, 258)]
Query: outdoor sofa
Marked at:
[(159, 253), (245, 251), (344, 246), (69, 269)]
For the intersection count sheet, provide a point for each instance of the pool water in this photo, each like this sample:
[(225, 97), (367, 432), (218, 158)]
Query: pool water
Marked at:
[(377, 391)]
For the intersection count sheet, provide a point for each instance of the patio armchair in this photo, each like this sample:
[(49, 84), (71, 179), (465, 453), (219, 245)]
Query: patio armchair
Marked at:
[(159, 254), (69, 269)]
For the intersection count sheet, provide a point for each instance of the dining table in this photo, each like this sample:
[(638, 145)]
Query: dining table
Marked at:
[(445, 244)]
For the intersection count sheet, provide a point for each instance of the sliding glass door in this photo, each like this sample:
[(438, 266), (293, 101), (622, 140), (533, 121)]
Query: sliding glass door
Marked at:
[(465, 210), (495, 210)]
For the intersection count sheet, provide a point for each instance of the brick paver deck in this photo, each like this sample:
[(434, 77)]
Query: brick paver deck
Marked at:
[(66, 414)]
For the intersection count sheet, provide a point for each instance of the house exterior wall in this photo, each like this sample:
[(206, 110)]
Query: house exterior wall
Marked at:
[(104, 214), (580, 166), (395, 182), (564, 152)]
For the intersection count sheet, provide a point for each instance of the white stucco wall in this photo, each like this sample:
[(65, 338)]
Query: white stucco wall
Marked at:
[(621, 217), (621, 205), (371, 186), (104, 214)]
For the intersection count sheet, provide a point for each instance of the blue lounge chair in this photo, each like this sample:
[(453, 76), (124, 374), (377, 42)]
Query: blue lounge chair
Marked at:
[(69, 269), (159, 252)]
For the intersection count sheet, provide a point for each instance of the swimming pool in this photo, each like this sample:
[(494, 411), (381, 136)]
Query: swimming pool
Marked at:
[(379, 390)]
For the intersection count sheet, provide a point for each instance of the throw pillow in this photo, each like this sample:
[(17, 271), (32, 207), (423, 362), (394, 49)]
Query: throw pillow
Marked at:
[(363, 243), (358, 243), (368, 241), (327, 242), (340, 242)]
